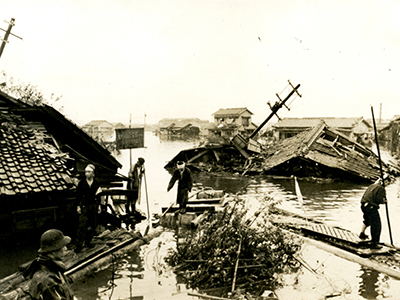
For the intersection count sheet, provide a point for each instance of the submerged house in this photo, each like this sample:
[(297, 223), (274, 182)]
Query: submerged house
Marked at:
[(182, 127), (389, 136), (320, 152), (357, 129), (42, 155), (229, 122)]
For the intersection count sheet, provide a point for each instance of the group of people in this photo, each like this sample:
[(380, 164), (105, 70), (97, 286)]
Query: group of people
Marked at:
[(46, 272)]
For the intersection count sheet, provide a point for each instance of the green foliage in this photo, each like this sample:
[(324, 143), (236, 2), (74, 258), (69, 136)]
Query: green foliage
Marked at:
[(207, 257)]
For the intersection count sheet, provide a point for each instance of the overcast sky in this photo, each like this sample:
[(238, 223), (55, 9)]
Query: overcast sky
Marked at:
[(167, 59)]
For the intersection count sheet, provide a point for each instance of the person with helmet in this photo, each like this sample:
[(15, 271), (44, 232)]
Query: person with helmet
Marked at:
[(185, 183), (46, 272)]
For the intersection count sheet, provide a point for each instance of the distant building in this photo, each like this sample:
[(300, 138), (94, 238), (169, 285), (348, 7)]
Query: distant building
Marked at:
[(99, 130), (357, 129), (229, 122), (389, 136), (182, 126)]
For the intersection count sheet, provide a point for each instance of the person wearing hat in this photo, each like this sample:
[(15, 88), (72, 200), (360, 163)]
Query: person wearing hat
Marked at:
[(135, 175), (370, 201), (88, 204), (46, 272), (185, 183)]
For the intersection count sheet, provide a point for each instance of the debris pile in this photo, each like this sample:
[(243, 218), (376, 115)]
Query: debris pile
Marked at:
[(230, 252)]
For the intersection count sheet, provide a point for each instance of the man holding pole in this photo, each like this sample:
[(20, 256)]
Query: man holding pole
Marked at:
[(370, 201), (185, 183), (135, 175)]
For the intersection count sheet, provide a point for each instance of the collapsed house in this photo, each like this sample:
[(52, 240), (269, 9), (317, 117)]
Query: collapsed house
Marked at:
[(42, 155), (320, 152)]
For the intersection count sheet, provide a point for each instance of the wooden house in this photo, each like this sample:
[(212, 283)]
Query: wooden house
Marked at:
[(357, 129), (389, 136), (43, 154), (100, 130), (321, 152), (228, 122)]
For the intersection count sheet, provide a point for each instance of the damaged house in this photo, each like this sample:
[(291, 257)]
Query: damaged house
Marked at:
[(318, 152), (42, 155), (357, 129)]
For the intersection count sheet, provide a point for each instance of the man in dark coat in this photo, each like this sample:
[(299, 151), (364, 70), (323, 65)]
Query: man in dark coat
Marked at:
[(135, 175), (370, 201), (46, 272), (88, 206), (185, 184)]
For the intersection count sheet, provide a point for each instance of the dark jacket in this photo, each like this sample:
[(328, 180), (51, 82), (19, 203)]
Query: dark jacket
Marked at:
[(185, 181), (374, 195), (85, 194), (135, 174), (48, 281)]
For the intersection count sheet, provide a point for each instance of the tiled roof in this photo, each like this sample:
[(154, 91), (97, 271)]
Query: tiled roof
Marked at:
[(28, 163), (311, 122), (231, 111)]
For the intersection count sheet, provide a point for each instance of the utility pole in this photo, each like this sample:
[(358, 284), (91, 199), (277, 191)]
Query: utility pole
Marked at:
[(6, 35)]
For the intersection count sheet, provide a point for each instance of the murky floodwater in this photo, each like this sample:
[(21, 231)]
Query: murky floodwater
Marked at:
[(143, 275)]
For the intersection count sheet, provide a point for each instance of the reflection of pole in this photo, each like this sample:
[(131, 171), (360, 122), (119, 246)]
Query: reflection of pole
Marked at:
[(144, 128), (380, 167), (130, 149)]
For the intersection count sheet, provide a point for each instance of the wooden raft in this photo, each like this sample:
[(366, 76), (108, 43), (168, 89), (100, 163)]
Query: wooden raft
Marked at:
[(332, 232)]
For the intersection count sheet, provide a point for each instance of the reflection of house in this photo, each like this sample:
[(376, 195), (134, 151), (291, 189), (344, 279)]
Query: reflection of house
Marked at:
[(41, 155), (356, 129), (99, 130), (180, 127), (229, 122)]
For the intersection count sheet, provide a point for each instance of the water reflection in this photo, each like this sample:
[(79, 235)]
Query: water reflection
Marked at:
[(372, 284)]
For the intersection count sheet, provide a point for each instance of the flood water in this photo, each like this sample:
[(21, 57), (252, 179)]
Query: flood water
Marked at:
[(143, 275)]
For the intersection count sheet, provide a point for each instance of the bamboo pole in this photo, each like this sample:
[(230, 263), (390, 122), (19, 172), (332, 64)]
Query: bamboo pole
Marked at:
[(381, 171)]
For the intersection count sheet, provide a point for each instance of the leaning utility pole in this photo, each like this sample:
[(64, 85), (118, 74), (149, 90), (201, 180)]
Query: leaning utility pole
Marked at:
[(6, 35)]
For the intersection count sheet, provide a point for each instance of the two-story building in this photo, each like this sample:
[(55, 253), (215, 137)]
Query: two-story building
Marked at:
[(229, 122), (99, 130), (357, 129)]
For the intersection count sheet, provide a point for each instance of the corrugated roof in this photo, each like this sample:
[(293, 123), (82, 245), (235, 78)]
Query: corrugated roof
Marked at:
[(29, 164), (312, 122), (231, 111)]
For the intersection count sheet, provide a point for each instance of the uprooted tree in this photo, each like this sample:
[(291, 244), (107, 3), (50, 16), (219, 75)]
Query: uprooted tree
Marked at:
[(232, 250)]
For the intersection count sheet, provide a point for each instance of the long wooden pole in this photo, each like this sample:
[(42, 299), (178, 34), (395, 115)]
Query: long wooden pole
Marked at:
[(381, 170)]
